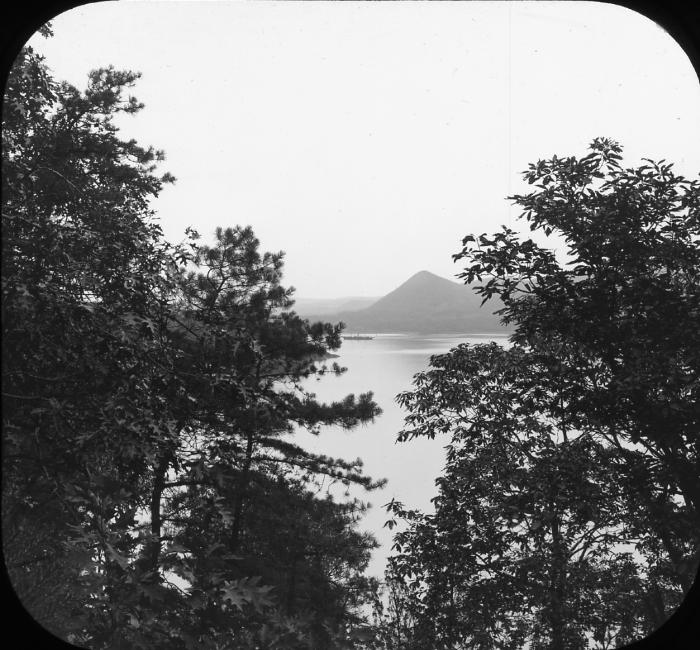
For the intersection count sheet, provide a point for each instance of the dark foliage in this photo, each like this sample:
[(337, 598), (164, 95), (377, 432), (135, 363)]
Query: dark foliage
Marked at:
[(153, 494), (567, 515)]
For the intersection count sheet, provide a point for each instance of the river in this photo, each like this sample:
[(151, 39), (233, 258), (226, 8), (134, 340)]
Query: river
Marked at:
[(386, 365)]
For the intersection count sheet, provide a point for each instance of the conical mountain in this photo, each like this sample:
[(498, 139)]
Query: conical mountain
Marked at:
[(425, 303)]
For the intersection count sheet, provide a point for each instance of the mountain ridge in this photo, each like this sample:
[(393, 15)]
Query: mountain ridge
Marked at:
[(425, 303)]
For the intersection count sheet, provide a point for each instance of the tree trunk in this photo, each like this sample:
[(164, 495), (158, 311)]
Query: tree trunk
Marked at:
[(556, 582), (655, 606), (153, 548), (242, 488)]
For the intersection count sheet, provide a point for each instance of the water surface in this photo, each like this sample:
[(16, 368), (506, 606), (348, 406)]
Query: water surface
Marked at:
[(386, 366)]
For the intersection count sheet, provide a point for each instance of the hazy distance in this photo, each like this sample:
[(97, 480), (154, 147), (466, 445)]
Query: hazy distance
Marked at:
[(366, 139)]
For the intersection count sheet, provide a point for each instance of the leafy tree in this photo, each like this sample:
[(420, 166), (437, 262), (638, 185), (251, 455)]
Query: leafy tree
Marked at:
[(625, 306), (81, 255), (150, 397), (242, 362), (393, 622), (566, 515), (314, 560), (620, 318), (524, 544)]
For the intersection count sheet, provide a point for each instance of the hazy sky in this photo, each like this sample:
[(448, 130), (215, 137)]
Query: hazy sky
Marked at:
[(366, 139)]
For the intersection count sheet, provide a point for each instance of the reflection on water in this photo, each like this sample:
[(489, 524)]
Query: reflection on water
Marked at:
[(386, 365)]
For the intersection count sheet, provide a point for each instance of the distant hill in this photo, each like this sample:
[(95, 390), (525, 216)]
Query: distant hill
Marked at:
[(425, 303), (321, 306)]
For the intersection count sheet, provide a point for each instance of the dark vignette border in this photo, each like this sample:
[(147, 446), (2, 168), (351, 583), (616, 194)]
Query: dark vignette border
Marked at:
[(679, 18)]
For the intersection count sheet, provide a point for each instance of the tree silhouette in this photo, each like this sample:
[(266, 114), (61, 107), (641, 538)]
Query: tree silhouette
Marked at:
[(567, 512), (153, 494)]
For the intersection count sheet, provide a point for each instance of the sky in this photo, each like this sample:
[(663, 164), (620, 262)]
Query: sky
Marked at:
[(366, 139)]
